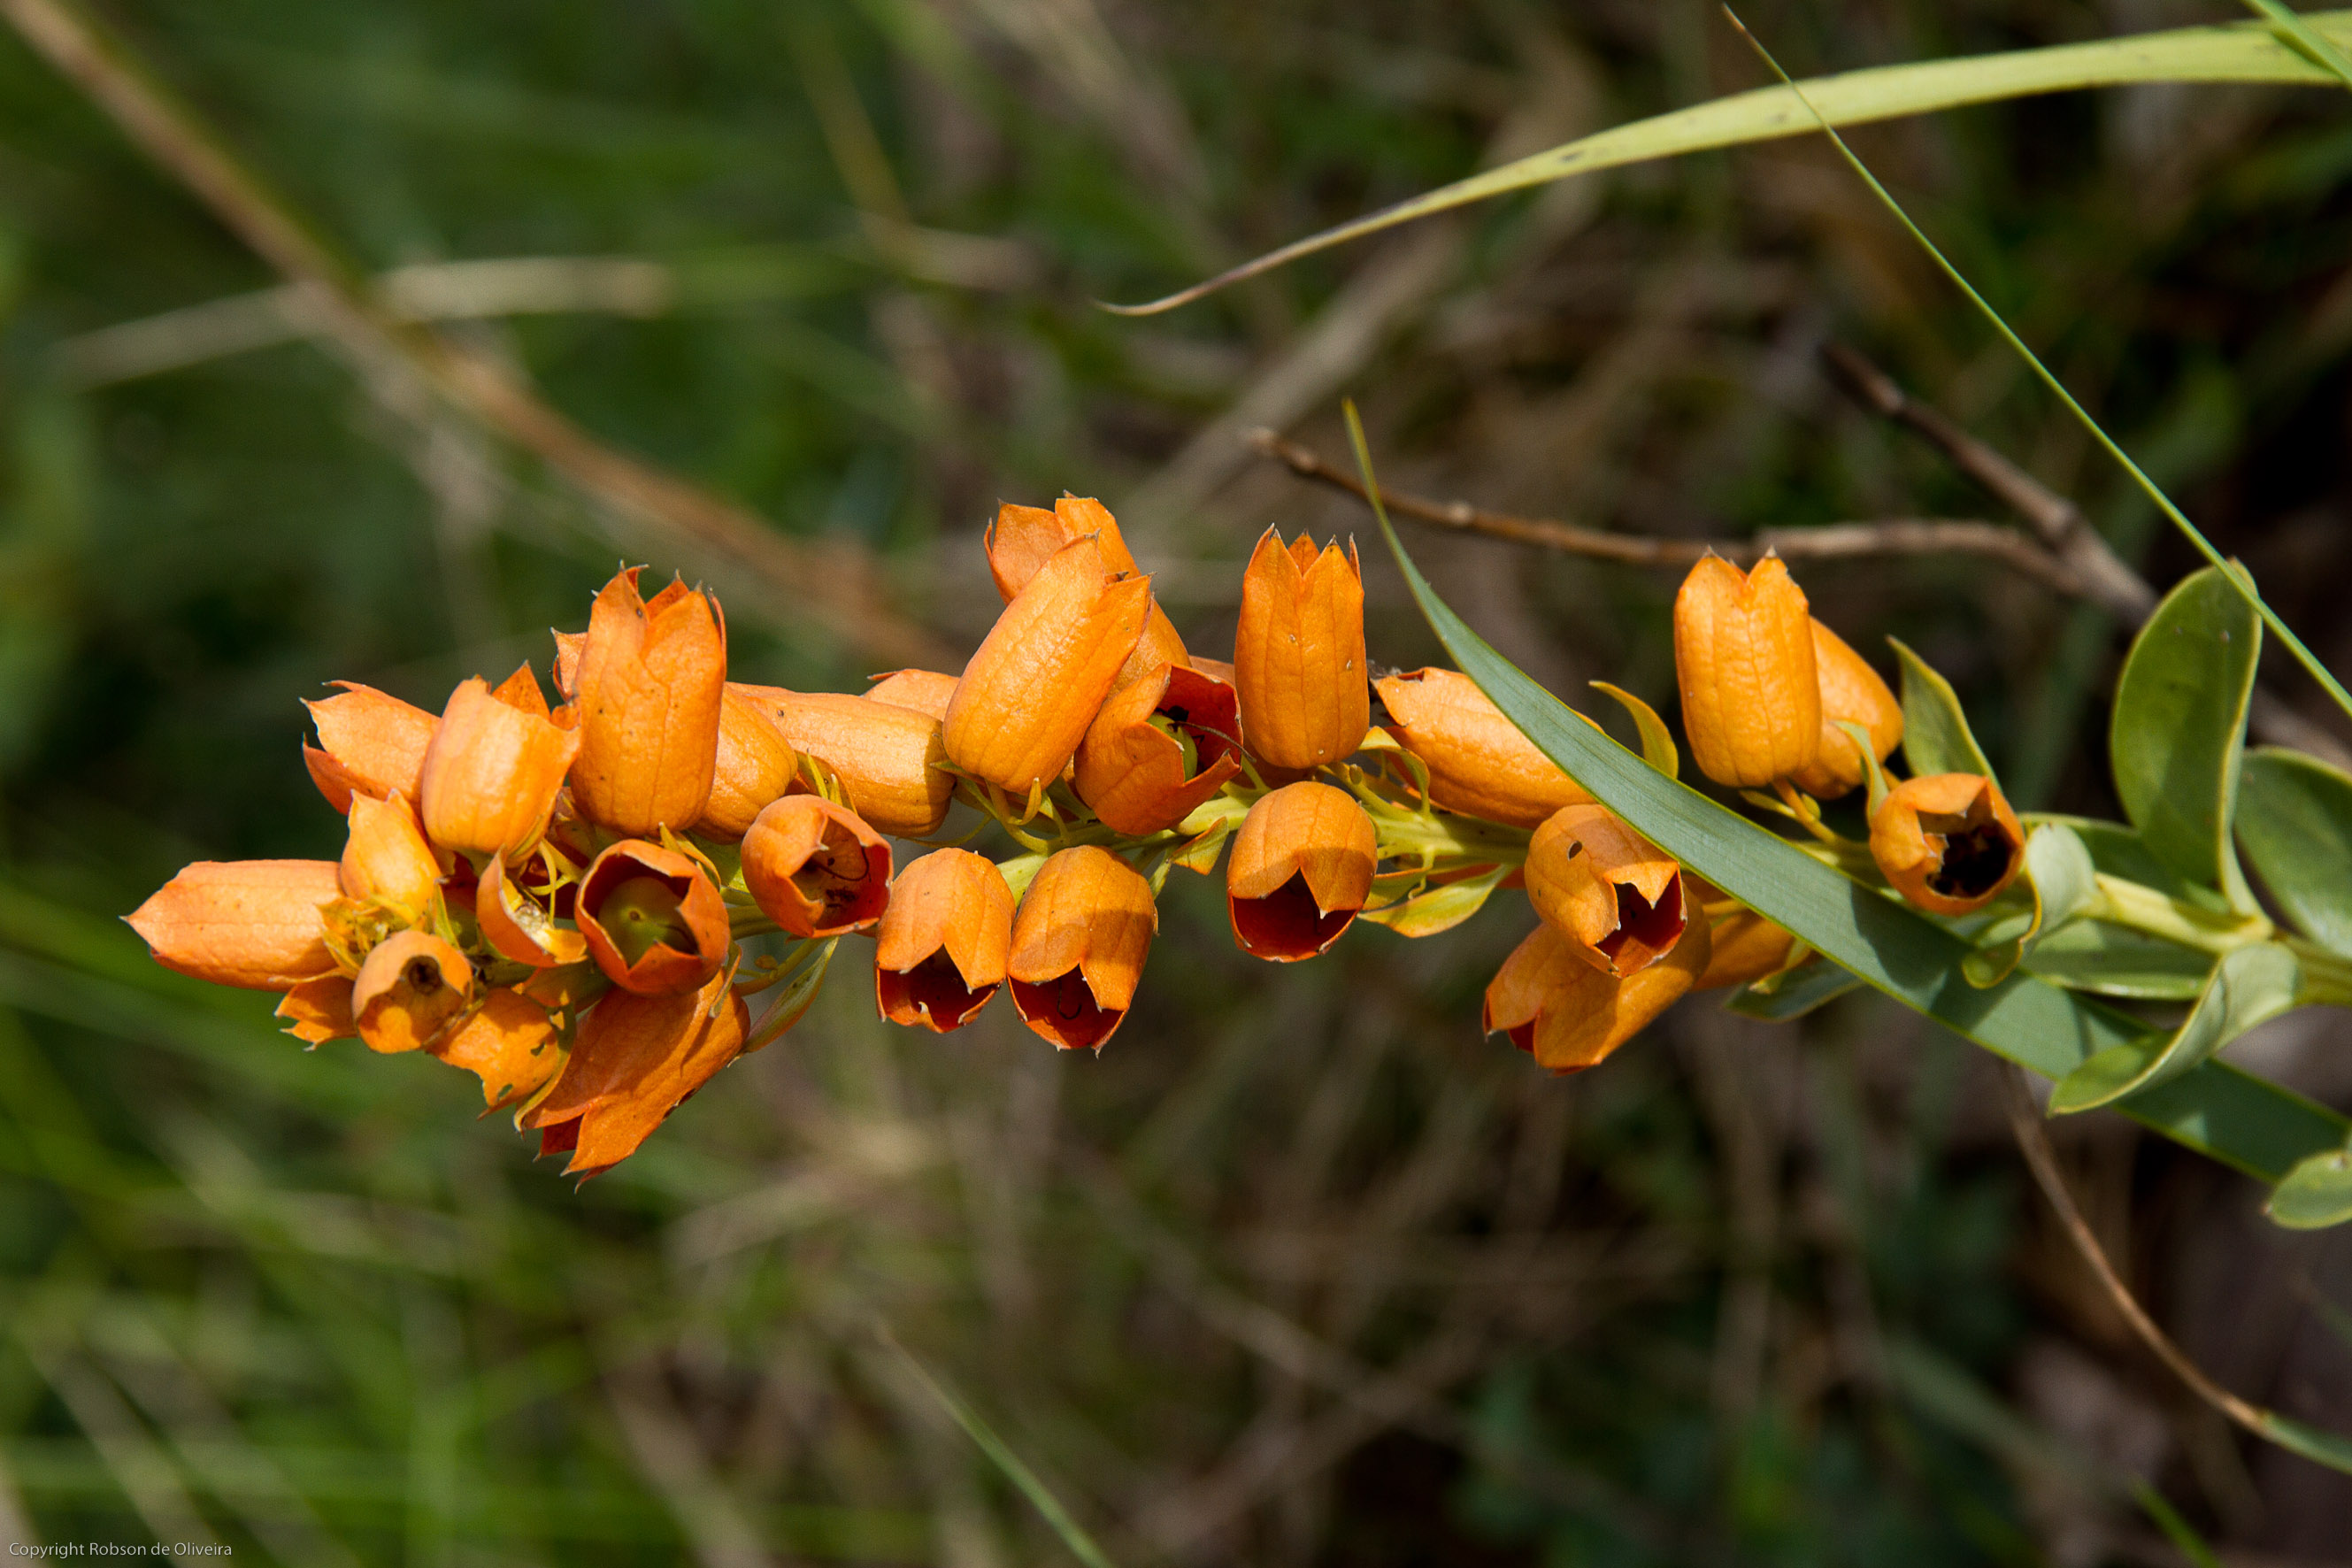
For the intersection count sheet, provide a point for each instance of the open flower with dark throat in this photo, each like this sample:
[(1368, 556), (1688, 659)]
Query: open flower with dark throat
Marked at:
[(1619, 902), (1568, 1016), (1744, 659), (412, 987), (1948, 842), (1299, 653), (1852, 693), (653, 921), (1301, 869), (648, 690), (1078, 945), (1162, 745), (940, 950), (497, 760), (816, 868), (1478, 761)]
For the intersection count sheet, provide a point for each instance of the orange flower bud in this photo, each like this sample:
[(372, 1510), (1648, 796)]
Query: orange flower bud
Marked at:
[(1744, 946), (250, 923), (939, 953), (1078, 946), (509, 1042), (756, 764), (924, 690), (1570, 1015), (648, 690), (816, 868), (1851, 691), (1025, 537), (516, 926), (890, 760), (412, 986), (368, 743), (1478, 761), (1744, 657), (1301, 868), (386, 857), (1948, 842), (635, 1060), (1298, 657), (653, 922), (318, 1010), (1607, 890), (497, 760), (1162, 745), (1028, 695)]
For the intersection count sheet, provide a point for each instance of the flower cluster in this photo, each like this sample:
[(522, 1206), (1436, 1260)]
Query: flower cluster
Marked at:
[(575, 903)]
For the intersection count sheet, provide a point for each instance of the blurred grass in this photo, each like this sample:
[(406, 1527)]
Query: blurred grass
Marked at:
[(1300, 1270)]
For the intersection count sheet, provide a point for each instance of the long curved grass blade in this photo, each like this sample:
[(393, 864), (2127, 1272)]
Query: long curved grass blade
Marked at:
[(2304, 38), (2244, 1121), (2233, 52)]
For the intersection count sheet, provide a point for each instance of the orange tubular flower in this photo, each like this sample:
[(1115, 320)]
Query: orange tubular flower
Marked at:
[(924, 690), (1570, 1015), (1744, 656), (1298, 657), (1162, 745), (1025, 537), (368, 743), (318, 1010), (1948, 842), (518, 926), (1851, 691), (250, 923), (386, 857), (636, 1060), (1618, 901), (1028, 695), (1078, 947), (495, 762), (816, 868), (940, 953), (509, 1042), (889, 759), (1301, 868), (649, 689), (1478, 761), (652, 919), (756, 764), (409, 990), (1745, 945)]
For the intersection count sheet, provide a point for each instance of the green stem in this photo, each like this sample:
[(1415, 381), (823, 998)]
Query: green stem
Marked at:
[(1442, 833)]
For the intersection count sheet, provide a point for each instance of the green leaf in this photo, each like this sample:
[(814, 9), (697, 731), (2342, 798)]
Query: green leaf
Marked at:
[(2247, 1123), (2295, 823), (1797, 993), (1658, 740), (1439, 909), (2179, 728), (2116, 960), (2320, 1448), (2061, 880), (1935, 736), (2234, 52), (2118, 850), (2251, 985), (2315, 1195)]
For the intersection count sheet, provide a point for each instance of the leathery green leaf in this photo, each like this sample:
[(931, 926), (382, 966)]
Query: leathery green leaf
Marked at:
[(2251, 985), (2116, 851), (2062, 880), (2295, 823), (2179, 726), (2245, 1121), (2315, 1195), (1935, 734), (2116, 961)]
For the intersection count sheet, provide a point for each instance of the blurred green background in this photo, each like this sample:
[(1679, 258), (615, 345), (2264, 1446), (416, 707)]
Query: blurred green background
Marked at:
[(1301, 1270)]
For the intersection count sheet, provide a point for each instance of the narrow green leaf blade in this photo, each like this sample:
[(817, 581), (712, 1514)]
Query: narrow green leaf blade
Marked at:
[(2295, 823), (2315, 1195), (2251, 985), (1798, 994), (1935, 734), (2180, 725)]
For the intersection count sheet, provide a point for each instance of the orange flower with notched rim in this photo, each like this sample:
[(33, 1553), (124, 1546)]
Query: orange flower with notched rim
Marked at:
[(1948, 842), (1570, 1015), (1301, 869), (1744, 659), (249, 923), (368, 743), (497, 761), (1023, 538), (386, 858), (1298, 655), (519, 927), (1478, 761), (410, 989), (1078, 945), (1162, 745), (889, 758), (635, 1060), (755, 765), (924, 690), (1851, 693), (816, 868), (1027, 697), (940, 950), (651, 918), (648, 690), (1607, 889), (509, 1042)]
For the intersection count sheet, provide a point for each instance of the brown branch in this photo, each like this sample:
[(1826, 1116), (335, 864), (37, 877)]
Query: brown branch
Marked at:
[(836, 585)]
